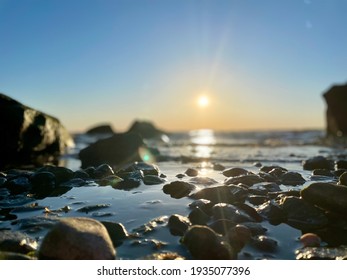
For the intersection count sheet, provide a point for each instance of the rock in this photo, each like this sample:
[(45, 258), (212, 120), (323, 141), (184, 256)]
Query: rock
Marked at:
[(272, 211), (62, 174), (112, 180), (178, 189), (264, 188), (130, 179), (255, 228), (145, 129), (205, 181), (81, 174), (301, 214), (116, 150), (264, 243), (234, 172), (218, 167), (16, 242), (323, 172), (327, 196), (292, 179), (102, 171), (77, 239), (191, 172), (217, 194), (238, 236), (257, 199), (248, 180), (178, 224), (343, 179), (42, 182), (145, 168), (18, 185), (29, 136), (91, 208), (205, 244), (230, 212), (153, 180), (336, 114), (116, 231), (100, 129), (198, 217), (310, 240), (268, 168), (13, 256), (318, 162), (222, 226)]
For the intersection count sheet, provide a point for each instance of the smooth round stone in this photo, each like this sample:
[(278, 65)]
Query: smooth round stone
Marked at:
[(265, 243), (153, 180), (178, 189), (218, 167), (178, 224), (43, 181), (292, 179), (235, 171), (103, 170), (310, 240), (318, 162), (191, 172), (343, 179), (77, 239)]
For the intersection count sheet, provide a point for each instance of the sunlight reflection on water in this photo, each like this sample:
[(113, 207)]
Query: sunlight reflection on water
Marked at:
[(203, 141)]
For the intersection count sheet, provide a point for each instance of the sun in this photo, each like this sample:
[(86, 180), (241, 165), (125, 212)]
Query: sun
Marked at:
[(203, 101)]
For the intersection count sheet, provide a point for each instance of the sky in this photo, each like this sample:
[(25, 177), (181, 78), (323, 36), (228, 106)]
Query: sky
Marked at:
[(259, 64)]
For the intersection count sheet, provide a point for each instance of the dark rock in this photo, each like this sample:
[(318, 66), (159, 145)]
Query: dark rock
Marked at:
[(81, 174), (318, 162), (218, 167), (180, 176), (77, 239), (153, 180), (111, 180), (2, 182), (18, 185), (62, 174), (29, 136), (204, 204), (115, 150), (323, 172), (292, 179), (248, 180), (198, 217), (268, 168), (234, 172), (178, 224), (218, 194), (16, 242), (301, 214), (230, 212), (191, 172), (145, 129), (205, 244), (117, 232), (257, 199), (336, 114), (327, 196), (340, 164), (339, 172), (264, 243), (264, 188), (238, 236), (277, 172), (100, 129), (343, 179), (145, 168), (131, 179), (222, 226), (43, 182), (178, 189), (151, 225), (102, 171), (255, 228), (272, 211)]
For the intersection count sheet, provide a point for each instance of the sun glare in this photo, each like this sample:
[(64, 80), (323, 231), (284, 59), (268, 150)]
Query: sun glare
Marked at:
[(203, 101)]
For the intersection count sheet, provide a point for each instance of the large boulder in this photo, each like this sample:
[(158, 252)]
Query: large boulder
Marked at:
[(29, 136), (145, 129), (336, 114), (100, 129), (77, 239), (118, 149)]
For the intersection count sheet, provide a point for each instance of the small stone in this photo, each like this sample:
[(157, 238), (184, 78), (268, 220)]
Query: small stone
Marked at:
[(205, 244), (178, 224), (16, 242), (205, 181), (343, 179), (81, 174), (91, 208), (77, 239), (257, 199), (234, 172), (238, 236), (269, 168), (230, 212), (318, 162), (62, 174), (180, 176), (103, 170), (178, 189), (264, 243), (248, 180), (116, 231), (198, 217), (18, 185), (191, 172), (292, 179), (222, 226), (153, 180), (111, 180), (43, 182), (216, 194), (323, 172), (310, 240), (218, 167)]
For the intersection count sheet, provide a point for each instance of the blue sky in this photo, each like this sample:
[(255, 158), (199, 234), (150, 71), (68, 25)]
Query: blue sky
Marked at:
[(262, 64)]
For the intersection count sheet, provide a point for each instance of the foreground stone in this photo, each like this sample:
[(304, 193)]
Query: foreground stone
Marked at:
[(28, 135), (205, 244), (77, 239), (327, 196)]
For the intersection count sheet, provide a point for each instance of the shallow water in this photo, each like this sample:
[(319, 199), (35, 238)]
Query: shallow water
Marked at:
[(136, 207)]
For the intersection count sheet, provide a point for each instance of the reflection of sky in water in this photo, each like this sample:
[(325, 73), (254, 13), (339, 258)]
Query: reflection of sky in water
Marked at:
[(203, 141)]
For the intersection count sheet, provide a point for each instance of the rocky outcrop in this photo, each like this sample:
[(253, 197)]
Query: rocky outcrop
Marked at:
[(115, 150), (100, 129), (145, 129), (336, 114), (27, 135)]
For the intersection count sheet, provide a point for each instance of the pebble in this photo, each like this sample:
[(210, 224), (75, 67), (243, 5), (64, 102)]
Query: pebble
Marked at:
[(234, 172), (178, 189), (191, 172), (178, 224), (310, 240)]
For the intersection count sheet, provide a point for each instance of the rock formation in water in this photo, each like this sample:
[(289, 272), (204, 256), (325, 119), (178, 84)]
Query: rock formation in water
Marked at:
[(336, 114), (145, 129), (100, 129), (28, 135)]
